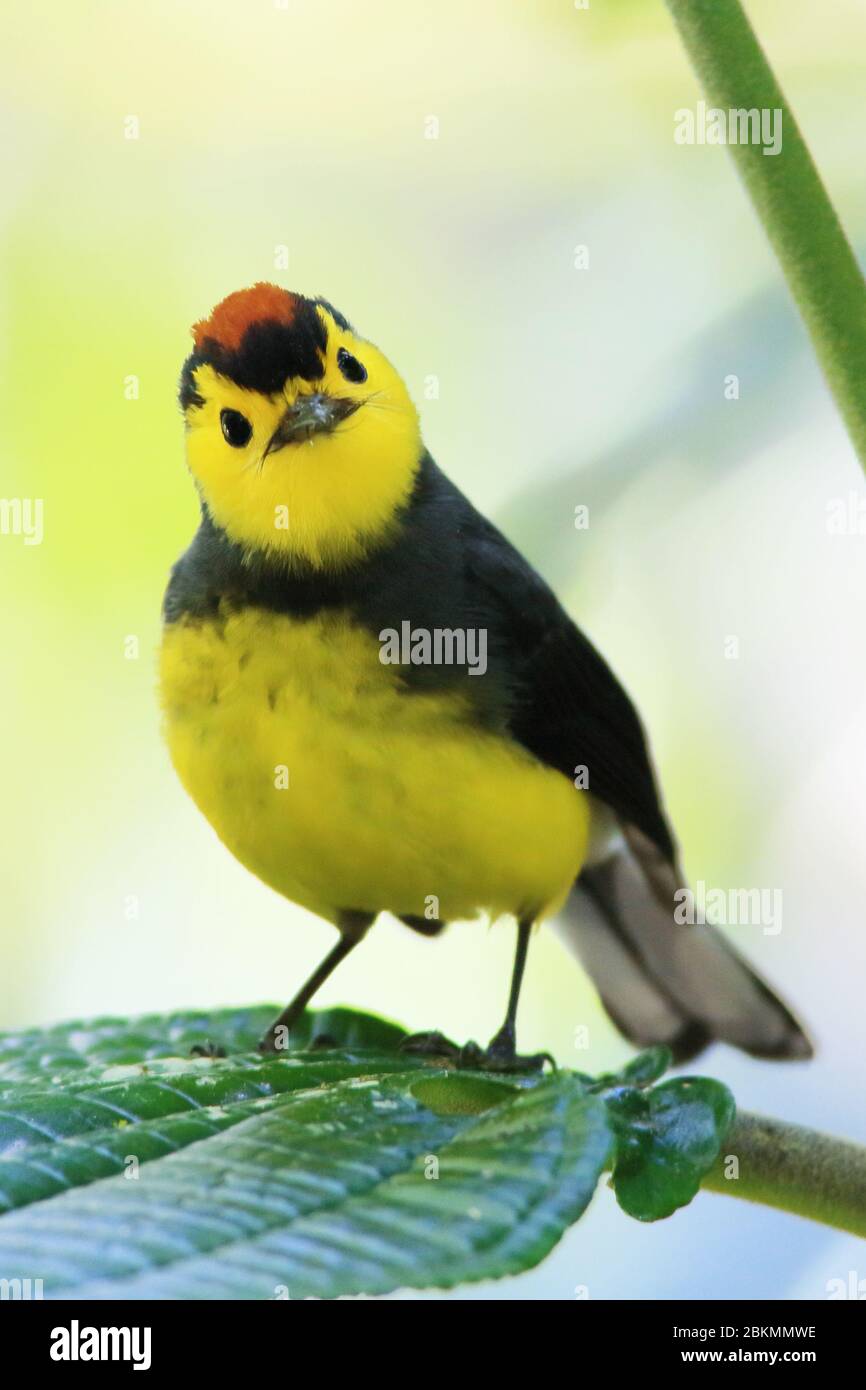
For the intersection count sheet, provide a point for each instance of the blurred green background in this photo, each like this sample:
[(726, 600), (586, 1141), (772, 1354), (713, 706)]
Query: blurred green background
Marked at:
[(290, 142)]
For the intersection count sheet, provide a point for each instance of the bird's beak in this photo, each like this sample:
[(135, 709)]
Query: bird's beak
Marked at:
[(310, 415)]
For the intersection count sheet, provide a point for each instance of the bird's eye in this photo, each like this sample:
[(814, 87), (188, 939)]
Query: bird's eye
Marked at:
[(352, 369), (236, 428)]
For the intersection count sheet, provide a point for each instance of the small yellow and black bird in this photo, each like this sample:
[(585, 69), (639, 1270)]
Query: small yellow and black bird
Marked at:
[(381, 707)]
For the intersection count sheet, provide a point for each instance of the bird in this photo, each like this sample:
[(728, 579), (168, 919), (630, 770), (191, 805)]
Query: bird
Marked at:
[(381, 707)]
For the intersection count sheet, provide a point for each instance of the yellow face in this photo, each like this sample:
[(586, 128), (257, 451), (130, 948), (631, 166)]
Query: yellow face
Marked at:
[(315, 472)]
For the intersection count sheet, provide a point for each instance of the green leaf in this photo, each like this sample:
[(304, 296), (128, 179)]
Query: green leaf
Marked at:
[(130, 1169), (138, 1171), (642, 1070), (40, 1054), (667, 1140)]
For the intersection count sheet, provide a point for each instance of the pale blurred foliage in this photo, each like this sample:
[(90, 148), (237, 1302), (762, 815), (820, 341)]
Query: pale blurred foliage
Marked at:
[(304, 126)]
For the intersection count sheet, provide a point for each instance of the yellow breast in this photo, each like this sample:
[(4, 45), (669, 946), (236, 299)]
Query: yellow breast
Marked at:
[(341, 790)]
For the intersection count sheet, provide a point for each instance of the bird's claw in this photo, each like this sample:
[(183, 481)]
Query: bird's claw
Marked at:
[(431, 1045), (500, 1059), (500, 1056), (207, 1049)]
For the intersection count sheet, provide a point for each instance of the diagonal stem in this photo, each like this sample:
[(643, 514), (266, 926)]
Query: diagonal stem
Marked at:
[(790, 199)]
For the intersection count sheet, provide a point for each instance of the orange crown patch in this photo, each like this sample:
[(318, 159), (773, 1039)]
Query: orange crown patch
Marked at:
[(232, 317)]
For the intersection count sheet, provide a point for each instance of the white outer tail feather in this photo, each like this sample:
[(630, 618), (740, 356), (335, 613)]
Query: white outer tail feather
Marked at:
[(660, 981)]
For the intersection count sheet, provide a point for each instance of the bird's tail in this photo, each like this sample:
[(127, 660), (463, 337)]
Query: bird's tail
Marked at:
[(663, 982)]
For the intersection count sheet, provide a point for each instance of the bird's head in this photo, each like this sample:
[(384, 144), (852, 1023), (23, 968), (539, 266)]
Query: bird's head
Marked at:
[(301, 436)]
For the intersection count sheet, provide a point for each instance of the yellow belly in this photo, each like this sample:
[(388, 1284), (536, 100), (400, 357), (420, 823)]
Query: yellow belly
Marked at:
[(341, 791)]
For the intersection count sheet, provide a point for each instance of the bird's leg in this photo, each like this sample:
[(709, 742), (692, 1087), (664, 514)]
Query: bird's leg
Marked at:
[(352, 926), (501, 1052), (504, 1042)]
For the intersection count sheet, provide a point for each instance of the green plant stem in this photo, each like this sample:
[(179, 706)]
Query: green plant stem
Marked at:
[(794, 1169), (790, 199)]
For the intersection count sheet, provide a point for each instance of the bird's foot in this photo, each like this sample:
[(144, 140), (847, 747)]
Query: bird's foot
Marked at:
[(207, 1049), (431, 1045), (499, 1056), (275, 1041), (279, 1039)]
